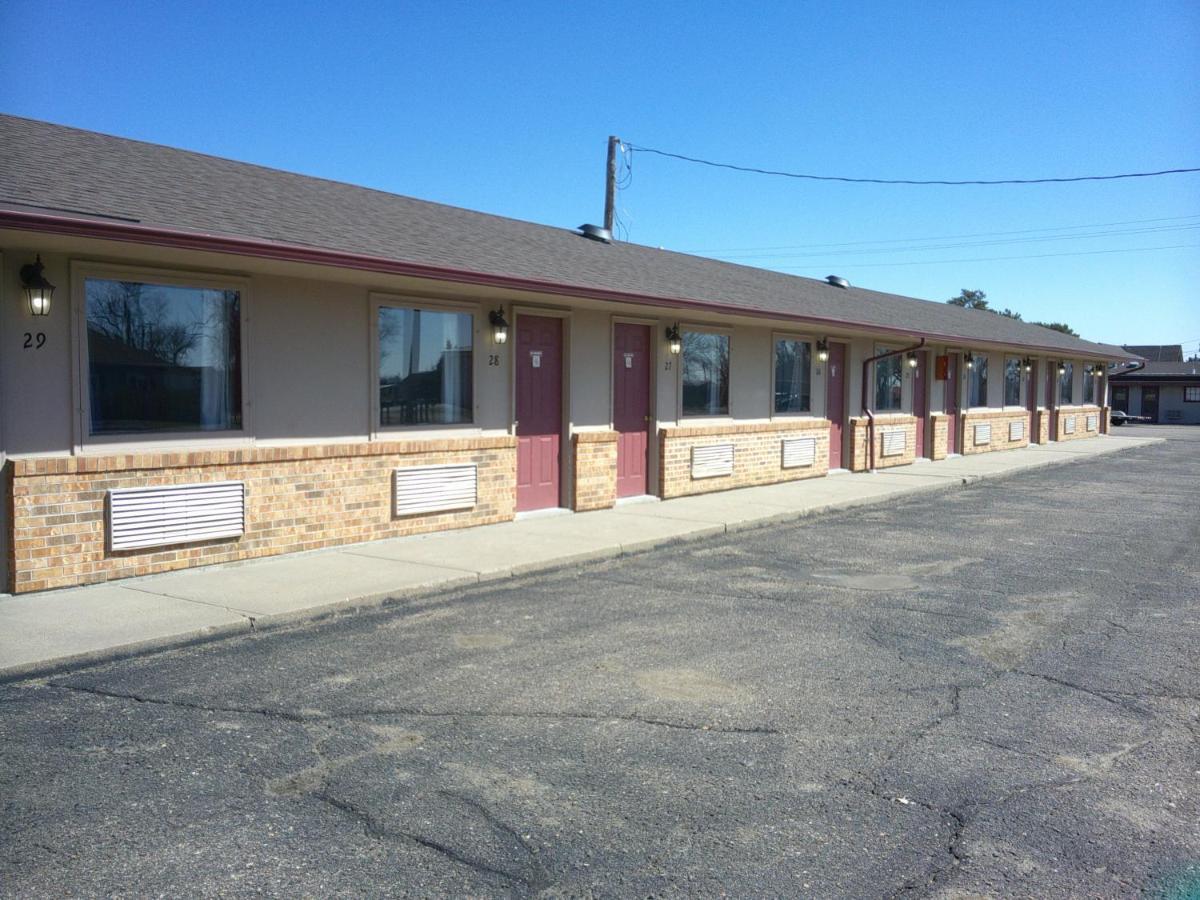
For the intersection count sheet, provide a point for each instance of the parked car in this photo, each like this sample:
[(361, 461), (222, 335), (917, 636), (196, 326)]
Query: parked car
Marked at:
[(1120, 417)]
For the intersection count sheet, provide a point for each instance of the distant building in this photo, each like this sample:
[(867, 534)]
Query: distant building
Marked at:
[(1166, 392)]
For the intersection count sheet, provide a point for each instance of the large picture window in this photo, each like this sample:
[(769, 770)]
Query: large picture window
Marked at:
[(977, 386), (1066, 384), (425, 366), (705, 374), (889, 382), (162, 357), (793, 376), (1012, 382)]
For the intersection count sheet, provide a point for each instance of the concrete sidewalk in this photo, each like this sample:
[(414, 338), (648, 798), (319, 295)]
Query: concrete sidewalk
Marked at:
[(45, 631)]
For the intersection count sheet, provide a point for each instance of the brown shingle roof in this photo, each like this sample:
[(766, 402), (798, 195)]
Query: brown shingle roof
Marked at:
[(1156, 352), (59, 170)]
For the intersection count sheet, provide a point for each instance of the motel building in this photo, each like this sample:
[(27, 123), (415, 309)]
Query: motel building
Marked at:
[(207, 361)]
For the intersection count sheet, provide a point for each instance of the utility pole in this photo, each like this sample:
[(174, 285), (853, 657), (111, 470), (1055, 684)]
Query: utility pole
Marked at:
[(610, 183)]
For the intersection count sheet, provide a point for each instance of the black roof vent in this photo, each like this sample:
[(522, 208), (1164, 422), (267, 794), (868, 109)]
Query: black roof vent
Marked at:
[(596, 233), (837, 281)]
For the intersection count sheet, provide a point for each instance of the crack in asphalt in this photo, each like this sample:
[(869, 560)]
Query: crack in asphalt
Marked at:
[(537, 714), (1106, 696), (960, 816), (543, 878), (376, 830), (399, 712), (283, 715)]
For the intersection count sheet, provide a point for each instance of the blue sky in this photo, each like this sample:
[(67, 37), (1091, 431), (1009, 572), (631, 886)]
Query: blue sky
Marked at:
[(505, 108)]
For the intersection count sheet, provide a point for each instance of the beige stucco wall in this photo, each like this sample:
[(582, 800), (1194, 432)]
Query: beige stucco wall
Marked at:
[(309, 377), (36, 404)]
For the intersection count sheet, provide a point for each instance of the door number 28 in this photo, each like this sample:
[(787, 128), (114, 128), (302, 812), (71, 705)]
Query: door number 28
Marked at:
[(34, 341)]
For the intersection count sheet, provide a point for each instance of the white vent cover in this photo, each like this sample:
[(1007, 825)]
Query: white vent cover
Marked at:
[(798, 452), (983, 433), (1068, 424), (175, 514), (1093, 422), (1016, 429), (425, 489), (893, 442), (712, 461)]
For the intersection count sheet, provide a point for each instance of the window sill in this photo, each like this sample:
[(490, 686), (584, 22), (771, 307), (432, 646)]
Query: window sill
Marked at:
[(143, 443), (403, 432)]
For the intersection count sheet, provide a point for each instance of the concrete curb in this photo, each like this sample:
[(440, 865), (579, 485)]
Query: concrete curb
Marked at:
[(367, 602)]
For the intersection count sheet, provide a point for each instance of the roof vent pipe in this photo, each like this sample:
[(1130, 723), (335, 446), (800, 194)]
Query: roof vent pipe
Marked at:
[(596, 233), (837, 281)]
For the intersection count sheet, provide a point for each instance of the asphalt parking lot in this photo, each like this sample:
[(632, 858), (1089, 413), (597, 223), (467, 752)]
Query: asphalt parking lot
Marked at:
[(993, 691)]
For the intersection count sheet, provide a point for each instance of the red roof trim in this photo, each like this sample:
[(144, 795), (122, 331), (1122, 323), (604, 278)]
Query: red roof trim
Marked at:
[(264, 249)]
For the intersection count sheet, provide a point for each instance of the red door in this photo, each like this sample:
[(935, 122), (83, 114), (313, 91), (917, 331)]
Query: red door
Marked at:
[(1031, 405), (631, 406), (1051, 397), (920, 401), (952, 407), (835, 401), (539, 411)]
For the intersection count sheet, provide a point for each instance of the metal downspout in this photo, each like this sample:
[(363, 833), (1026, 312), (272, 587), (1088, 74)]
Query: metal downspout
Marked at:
[(866, 407)]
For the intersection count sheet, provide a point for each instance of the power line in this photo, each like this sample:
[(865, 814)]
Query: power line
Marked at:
[(757, 171), (934, 262), (942, 237), (1117, 232)]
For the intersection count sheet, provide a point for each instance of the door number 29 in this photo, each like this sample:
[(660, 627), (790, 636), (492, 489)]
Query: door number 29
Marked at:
[(34, 341)]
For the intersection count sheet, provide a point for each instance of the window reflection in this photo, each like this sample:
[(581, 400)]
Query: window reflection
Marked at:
[(162, 357), (705, 374), (1066, 384), (425, 367), (1012, 382), (793, 373), (889, 381)]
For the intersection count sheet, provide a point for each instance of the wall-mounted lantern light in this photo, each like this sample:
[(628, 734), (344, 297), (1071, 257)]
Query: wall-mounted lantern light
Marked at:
[(38, 291), (1027, 364), (912, 359), (499, 325), (674, 341), (1062, 370), (969, 359), (823, 350)]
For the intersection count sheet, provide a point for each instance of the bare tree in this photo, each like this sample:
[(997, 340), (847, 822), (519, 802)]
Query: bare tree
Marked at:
[(128, 312)]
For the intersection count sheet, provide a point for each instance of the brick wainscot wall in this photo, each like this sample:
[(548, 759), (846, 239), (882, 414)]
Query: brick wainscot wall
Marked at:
[(939, 435), (297, 498), (859, 461), (1042, 423), (1000, 422), (1080, 414), (757, 455), (595, 470)]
